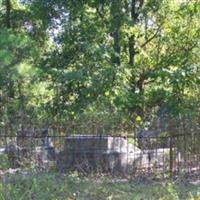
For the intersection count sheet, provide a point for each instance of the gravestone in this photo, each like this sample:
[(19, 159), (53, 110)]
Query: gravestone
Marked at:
[(44, 151), (105, 153)]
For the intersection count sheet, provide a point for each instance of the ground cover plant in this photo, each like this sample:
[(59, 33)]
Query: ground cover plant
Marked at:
[(54, 186)]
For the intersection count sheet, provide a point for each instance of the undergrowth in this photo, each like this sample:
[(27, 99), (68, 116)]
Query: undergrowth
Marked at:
[(54, 186)]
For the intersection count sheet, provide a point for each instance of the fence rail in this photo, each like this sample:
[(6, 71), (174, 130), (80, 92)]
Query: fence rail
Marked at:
[(153, 155)]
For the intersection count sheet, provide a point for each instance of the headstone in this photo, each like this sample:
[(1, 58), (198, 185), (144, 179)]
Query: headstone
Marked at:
[(87, 152), (47, 145)]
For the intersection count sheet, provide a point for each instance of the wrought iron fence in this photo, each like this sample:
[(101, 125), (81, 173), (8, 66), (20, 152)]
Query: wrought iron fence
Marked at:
[(168, 155)]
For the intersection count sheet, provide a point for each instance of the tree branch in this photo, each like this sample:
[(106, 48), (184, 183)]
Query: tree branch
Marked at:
[(151, 38)]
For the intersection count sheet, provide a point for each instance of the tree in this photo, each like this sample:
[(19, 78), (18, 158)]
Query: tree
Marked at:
[(125, 60)]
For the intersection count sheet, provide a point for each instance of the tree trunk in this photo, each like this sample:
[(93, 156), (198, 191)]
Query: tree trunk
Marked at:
[(22, 105), (8, 9), (132, 37), (132, 45), (116, 22)]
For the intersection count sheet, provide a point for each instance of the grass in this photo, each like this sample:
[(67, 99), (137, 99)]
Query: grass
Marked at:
[(53, 186)]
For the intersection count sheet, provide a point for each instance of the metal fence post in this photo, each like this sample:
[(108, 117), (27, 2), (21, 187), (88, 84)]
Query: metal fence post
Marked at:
[(171, 156)]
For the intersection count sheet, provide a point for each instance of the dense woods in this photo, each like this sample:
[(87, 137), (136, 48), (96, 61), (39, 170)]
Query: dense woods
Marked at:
[(98, 64), (123, 75)]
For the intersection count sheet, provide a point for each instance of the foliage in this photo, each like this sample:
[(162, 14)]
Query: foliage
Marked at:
[(4, 162), (112, 62), (98, 67)]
